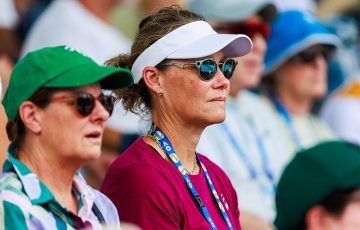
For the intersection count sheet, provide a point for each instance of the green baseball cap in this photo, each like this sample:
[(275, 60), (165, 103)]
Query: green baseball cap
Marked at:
[(311, 176), (58, 67)]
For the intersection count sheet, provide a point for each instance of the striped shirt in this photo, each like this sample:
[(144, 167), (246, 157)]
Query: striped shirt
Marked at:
[(26, 202)]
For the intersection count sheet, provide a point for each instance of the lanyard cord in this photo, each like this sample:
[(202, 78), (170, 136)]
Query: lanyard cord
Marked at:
[(242, 154), (170, 152), (288, 120)]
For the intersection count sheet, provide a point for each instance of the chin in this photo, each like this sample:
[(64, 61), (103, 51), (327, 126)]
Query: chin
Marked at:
[(92, 154), (319, 93), (217, 119)]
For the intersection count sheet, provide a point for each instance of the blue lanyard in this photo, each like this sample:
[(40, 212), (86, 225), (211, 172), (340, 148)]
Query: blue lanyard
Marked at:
[(170, 152), (288, 120), (240, 151)]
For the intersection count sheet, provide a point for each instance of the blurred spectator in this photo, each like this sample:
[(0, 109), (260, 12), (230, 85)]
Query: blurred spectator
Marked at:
[(6, 67), (251, 152), (345, 64), (85, 25), (302, 5), (296, 76), (128, 16), (320, 189), (341, 111), (16, 17)]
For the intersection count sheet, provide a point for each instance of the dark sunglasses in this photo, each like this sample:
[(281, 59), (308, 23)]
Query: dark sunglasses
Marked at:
[(85, 102), (208, 67), (249, 28), (309, 56)]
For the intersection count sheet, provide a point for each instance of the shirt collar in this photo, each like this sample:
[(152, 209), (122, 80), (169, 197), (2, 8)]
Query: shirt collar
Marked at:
[(39, 193)]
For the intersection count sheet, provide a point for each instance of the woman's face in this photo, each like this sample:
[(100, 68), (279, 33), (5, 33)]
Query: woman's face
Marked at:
[(303, 77), (191, 100), (250, 67), (68, 133)]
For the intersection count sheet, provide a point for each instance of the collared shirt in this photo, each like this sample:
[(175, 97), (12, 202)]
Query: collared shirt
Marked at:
[(27, 203)]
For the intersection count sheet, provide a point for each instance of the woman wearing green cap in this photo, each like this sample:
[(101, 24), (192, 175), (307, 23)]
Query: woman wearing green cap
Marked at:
[(320, 189), (182, 69), (296, 76), (57, 113)]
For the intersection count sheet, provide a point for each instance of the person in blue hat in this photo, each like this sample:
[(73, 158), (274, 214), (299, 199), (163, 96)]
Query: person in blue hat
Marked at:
[(299, 48)]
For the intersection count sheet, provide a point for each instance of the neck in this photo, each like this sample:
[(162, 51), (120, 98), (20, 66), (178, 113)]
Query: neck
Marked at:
[(294, 104), (101, 9), (183, 137), (50, 170)]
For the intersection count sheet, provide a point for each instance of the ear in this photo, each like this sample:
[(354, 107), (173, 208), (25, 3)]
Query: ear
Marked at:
[(152, 79), (29, 114), (318, 218)]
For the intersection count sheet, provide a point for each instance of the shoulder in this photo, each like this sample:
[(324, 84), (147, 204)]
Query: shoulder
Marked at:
[(107, 208), (138, 154), (135, 171), (14, 202), (9, 181), (138, 177), (215, 171), (140, 189)]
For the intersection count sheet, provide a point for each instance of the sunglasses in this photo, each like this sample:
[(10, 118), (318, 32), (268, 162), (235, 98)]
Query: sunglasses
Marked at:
[(208, 67), (85, 102), (309, 56), (249, 28)]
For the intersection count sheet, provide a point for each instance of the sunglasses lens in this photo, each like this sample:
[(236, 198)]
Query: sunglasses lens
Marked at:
[(310, 56), (207, 69), (108, 102), (228, 68), (85, 103)]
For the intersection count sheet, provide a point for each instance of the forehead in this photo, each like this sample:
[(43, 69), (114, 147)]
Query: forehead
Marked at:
[(220, 55)]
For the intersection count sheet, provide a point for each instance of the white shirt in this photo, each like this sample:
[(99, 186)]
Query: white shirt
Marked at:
[(68, 22)]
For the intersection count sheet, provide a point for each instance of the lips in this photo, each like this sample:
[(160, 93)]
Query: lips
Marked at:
[(95, 134), (219, 99)]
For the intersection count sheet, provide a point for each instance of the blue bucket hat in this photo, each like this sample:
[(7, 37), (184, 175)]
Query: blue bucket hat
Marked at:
[(292, 32)]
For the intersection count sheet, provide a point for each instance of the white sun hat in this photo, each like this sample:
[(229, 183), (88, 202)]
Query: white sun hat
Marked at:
[(193, 40)]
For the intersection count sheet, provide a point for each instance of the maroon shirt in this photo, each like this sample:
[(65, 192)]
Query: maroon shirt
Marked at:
[(151, 193)]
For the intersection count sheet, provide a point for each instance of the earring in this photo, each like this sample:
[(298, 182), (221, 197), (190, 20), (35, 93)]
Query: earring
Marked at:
[(160, 92)]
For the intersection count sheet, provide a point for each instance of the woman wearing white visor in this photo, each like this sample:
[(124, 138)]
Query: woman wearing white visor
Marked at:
[(182, 69)]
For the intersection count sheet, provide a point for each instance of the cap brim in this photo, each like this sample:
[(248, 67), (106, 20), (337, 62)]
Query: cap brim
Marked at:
[(282, 57), (109, 77), (232, 45)]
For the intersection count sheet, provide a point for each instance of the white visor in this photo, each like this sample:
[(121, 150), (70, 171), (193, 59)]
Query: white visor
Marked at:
[(193, 40)]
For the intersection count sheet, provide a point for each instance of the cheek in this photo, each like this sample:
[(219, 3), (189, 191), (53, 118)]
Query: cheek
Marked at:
[(350, 218)]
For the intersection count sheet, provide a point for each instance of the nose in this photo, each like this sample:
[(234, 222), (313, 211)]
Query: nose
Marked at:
[(259, 44), (99, 114), (220, 80), (320, 61)]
